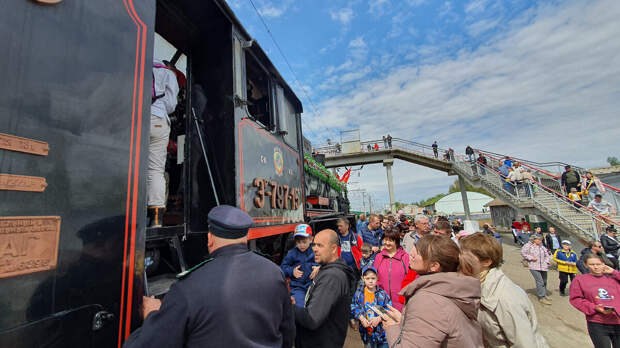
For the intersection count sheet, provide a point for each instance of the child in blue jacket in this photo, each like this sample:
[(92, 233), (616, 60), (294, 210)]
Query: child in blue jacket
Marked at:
[(366, 296), (299, 265)]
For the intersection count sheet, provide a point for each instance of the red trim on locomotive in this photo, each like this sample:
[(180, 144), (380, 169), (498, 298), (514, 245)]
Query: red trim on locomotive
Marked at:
[(134, 170), (266, 231)]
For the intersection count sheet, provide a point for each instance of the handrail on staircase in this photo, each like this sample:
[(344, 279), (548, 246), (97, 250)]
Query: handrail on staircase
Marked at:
[(541, 164), (524, 163), (580, 207)]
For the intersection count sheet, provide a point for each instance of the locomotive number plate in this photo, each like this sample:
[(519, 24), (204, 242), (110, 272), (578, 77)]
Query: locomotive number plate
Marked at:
[(28, 244)]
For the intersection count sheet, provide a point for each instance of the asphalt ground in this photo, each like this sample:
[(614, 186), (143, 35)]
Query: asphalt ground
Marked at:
[(561, 324)]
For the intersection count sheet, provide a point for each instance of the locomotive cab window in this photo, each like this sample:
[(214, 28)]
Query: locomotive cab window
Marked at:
[(258, 96)]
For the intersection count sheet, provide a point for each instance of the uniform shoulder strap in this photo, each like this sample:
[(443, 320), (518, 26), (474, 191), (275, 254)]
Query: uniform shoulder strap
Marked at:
[(185, 273)]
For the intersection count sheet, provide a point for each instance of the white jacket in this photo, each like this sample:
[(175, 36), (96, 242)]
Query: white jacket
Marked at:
[(507, 316), (165, 84)]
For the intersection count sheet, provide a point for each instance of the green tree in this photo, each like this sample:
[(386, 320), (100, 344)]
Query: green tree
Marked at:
[(613, 161), (399, 205)]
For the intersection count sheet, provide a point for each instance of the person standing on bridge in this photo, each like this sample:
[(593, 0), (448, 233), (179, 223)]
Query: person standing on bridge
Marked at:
[(482, 163), (570, 179), (469, 151), (592, 186), (389, 140), (601, 207), (435, 149), (385, 145)]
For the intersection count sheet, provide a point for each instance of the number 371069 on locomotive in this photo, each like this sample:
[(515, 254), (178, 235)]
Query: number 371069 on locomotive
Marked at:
[(270, 178)]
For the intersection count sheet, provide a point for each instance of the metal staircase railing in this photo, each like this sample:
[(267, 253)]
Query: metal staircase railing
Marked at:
[(553, 180), (543, 192), (572, 216), (397, 143)]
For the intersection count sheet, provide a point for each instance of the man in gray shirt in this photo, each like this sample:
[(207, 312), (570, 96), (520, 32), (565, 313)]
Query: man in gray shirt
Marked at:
[(422, 228)]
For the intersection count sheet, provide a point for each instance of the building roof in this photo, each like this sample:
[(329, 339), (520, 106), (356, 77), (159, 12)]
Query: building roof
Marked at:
[(605, 170), (496, 203)]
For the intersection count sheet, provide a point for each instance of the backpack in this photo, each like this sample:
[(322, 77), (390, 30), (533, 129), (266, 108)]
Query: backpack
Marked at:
[(571, 177), (154, 97)]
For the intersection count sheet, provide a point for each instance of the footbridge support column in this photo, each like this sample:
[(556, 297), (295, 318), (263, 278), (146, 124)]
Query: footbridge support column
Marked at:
[(464, 198), (387, 163)]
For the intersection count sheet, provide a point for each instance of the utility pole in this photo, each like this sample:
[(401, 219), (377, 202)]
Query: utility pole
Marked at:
[(364, 201), (370, 204)]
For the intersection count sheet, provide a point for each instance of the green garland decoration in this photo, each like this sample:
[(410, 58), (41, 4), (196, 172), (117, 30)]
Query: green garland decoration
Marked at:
[(319, 171)]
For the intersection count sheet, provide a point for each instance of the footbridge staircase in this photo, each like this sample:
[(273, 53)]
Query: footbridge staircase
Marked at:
[(541, 195)]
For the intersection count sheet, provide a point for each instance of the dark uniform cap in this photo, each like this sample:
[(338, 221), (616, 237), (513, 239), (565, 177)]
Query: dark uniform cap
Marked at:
[(229, 222)]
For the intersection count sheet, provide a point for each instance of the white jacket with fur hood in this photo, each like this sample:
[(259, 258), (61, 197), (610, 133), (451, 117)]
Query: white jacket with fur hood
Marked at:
[(506, 314)]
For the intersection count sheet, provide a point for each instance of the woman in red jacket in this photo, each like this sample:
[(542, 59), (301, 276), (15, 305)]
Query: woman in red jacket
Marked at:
[(597, 295)]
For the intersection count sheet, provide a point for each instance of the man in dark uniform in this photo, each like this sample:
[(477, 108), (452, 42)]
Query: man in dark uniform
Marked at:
[(234, 299)]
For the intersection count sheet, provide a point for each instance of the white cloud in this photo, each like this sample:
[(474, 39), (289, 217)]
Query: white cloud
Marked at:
[(416, 3), (358, 42), (343, 15), (531, 89), (482, 26), (269, 9), (445, 9), (378, 7)]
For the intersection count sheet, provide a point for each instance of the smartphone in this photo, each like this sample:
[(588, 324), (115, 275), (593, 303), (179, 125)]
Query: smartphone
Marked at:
[(608, 308), (378, 309)]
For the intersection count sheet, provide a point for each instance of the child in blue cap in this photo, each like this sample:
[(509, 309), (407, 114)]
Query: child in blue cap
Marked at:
[(299, 265), (368, 295)]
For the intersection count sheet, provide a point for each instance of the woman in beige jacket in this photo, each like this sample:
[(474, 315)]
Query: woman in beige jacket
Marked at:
[(441, 304), (506, 314)]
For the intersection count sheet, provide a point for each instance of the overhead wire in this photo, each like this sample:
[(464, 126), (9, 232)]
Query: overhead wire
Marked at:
[(314, 108)]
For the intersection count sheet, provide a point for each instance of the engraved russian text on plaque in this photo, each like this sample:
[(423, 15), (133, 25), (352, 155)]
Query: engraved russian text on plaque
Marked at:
[(13, 143), (28, 244), (12, 182)]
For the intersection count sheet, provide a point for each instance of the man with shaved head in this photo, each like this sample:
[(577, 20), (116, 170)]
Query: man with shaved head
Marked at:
[(323, 319)]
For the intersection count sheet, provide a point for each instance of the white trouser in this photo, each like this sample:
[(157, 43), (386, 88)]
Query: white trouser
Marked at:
[(158, 146)]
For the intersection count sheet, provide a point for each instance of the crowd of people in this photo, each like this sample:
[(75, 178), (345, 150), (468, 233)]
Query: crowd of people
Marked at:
[(399, 282), (417, 284), (434, 284)]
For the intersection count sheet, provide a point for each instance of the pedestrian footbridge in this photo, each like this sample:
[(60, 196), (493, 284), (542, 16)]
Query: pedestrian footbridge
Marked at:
[(542, 195)]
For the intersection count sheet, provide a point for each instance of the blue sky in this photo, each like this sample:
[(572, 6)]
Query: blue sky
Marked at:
[(533, 79)]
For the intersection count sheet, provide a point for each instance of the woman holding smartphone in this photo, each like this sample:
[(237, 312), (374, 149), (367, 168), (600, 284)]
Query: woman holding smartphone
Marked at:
[(442, 303), (597, 295)]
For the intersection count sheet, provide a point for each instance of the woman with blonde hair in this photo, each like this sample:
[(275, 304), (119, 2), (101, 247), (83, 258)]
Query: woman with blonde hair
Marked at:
[(507, 316), (441, 306)]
